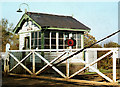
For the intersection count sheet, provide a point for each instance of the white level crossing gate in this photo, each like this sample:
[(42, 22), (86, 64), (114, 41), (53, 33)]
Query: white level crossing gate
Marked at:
[(33, 53)]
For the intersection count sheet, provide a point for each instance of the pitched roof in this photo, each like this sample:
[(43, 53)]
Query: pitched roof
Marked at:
[(56, 21), (52, 21)]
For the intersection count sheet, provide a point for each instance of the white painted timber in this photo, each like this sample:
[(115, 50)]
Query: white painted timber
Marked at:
[(27, 27), (58, 71), (50, 54), (20, 63), (26, 30), (90, 57), (90, 64), (82, 41), (55, 59), (33, 63), (114, 65)]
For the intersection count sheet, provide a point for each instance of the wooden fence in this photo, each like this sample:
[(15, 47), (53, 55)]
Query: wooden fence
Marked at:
[(33, 53)]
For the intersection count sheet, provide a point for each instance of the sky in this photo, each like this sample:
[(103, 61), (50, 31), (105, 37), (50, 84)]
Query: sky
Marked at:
[(101, 17)]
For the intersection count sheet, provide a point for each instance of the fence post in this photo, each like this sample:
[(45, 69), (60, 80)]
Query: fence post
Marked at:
[(33, 63), (67, 64), (86, 59), (6, 60), (114, 66)]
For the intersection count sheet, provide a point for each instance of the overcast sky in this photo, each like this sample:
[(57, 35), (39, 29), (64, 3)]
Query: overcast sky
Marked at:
[(101, 17)]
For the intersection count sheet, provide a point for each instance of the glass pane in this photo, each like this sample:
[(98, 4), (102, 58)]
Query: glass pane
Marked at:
[(35, 47), (53, 35), (31, 42), (39, 47), (53, 47), (79, 36), (35, 41), (60, 34), (60, 41), (66, 35), (39, 41), (53, 41), (79, 40), (74, 35), (79, 44), (47, 47), (66, 42), (39, 34), (46, 34), (60, 47), (32, 34), (35, 34), (47, 41)]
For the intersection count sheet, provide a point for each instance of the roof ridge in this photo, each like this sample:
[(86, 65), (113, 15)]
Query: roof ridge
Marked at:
[(49, 14)]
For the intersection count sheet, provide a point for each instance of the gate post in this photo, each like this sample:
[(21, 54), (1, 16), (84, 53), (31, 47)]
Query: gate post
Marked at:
[(86, 60), (6, 60), (67, 64), (114, 65), (33, 63)]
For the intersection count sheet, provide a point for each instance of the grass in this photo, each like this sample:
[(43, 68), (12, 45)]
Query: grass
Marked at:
[(105, 71), (101, 70)]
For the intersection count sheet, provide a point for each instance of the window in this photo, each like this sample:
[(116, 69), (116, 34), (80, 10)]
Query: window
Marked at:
[(78, 40), (27, 42), (53, 40), (61, 40), (74, 37), (47, 40), (36, 40), (63, 37), (66, 37)]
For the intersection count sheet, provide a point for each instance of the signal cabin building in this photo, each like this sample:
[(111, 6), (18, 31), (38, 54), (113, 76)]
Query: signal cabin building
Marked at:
[(48, 31)]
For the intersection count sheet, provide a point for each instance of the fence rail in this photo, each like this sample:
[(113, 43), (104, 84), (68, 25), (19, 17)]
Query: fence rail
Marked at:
[(50, 50)]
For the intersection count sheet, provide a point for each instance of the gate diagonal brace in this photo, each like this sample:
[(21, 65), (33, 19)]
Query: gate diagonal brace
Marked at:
[(96, 70), (58, 71), (101, 74), (20, 63), (45, 67), (90, 66)]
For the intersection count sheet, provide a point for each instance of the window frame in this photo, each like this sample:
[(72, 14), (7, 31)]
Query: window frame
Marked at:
[(38, 39), (57, 39)]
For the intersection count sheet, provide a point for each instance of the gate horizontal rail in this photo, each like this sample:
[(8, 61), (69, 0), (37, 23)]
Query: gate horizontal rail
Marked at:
[(52, 50)]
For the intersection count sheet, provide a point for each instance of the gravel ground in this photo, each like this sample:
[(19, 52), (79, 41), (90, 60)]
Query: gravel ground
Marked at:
[(28, 82)]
